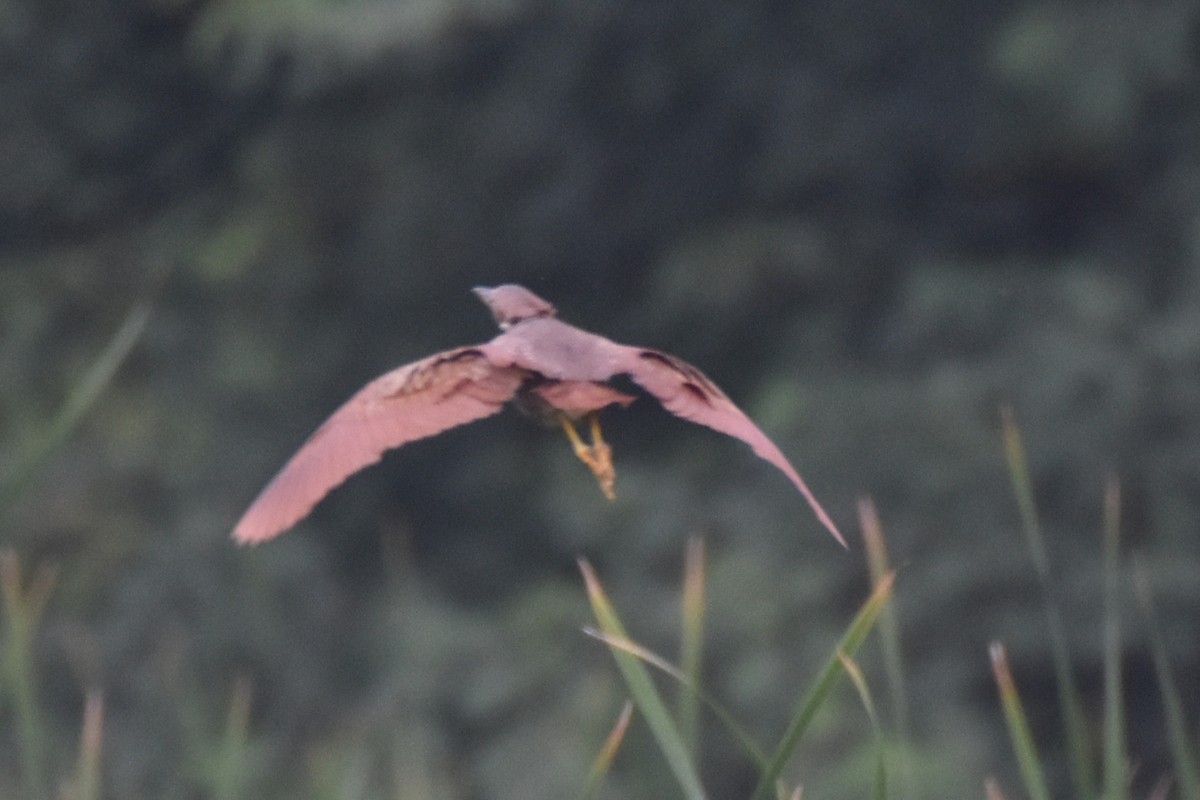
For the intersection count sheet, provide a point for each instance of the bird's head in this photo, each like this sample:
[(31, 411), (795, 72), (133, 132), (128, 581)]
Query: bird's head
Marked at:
[(510, 304)]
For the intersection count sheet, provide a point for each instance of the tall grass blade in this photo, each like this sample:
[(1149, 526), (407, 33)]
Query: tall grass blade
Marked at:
[(991, 790), (86, 783), (644, 693), (81, 398), (1182, 751), (1115, 778), (603, 761), (826, 679), (647, 656), (691, 642), (889, 626), (231, 770), (217, 753), (23, 607), (878, 566), (879, 784), (1022, 483), (1018, 726), (1075, 725)]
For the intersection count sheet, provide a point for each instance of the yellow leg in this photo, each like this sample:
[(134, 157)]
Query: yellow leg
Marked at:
[(597, 455)]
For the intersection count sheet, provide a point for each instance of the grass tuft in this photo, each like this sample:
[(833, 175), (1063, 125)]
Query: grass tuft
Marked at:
[(862, 624), (1182, 750), (632, 660), (1069, 699), (666, 733), (1115, 776)]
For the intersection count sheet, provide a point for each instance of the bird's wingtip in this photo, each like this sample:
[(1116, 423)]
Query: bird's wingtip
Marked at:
[(827, 521), (245, 535)]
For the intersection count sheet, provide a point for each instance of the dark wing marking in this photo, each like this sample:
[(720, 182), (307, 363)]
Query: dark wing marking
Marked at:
[(688, 393), (415, 401)]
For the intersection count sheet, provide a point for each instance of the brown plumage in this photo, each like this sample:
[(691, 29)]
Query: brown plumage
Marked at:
[(551, 368)]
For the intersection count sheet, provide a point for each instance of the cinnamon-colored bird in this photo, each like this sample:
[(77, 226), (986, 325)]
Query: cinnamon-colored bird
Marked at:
[(551, 368)]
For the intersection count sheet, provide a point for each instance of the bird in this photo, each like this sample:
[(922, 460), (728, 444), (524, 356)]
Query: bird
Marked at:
[(547, 367)]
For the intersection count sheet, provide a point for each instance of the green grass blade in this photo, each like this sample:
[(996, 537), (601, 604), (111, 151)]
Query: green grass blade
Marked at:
[(86, 783), (81, 398), (603, 761), (647, 656), (644, 693), (1022, 483), (691, 643), (23, 607), (1018, 726), (217, 754), (889, 639), (879, 789), (1070, 702), (231, 769), (1181, 748), (1115, 778), (826, 679)]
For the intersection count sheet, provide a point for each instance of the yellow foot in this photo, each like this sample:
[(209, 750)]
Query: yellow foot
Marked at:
[(597, 455)]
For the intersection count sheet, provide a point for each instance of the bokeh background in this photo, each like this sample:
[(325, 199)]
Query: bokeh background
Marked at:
[(872, 223)]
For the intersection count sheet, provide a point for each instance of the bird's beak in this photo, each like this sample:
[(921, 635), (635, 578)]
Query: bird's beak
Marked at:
[(482, 292)]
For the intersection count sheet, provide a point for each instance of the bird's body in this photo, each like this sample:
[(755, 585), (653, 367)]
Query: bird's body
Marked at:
[(551, 347), (553, 369)]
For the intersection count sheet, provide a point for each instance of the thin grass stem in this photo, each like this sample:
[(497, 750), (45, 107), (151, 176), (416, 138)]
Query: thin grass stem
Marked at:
[(86, 784), (230, 773), (603, 761), (878, 565), (692, 642), (1182, 752), (1018, 726), (1115, 777), (879, 783), (23, 607)]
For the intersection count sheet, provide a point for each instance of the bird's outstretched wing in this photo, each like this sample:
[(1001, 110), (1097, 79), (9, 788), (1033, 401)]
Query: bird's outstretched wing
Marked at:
[(406, 404), (687, 392)]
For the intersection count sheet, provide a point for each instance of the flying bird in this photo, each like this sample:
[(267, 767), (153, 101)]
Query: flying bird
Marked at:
[(550, 368)]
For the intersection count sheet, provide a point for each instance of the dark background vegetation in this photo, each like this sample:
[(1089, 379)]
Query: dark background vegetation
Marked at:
[(873, 223)]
